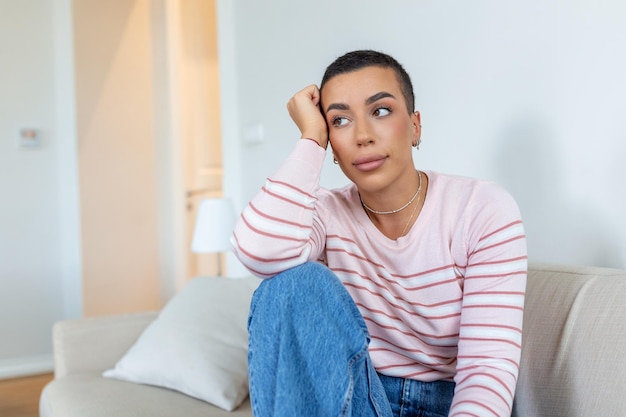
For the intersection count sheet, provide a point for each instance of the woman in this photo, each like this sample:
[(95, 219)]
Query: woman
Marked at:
[(400, 294)]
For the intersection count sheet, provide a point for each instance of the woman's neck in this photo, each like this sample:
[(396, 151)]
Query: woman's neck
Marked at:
[(395, 215)]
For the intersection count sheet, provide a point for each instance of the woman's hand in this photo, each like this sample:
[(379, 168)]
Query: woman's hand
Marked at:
[(304, 109)]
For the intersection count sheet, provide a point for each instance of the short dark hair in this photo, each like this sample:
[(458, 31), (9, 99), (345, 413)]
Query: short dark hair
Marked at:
[(356, 60)]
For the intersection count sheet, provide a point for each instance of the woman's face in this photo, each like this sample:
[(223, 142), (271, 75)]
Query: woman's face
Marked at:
[(370, 129)]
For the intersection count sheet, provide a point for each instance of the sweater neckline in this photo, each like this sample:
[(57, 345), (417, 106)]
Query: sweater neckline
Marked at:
[(414, 230)]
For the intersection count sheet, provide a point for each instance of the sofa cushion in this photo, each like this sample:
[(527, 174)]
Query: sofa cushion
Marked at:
[(574, 343), (198, 343), (89, 394)]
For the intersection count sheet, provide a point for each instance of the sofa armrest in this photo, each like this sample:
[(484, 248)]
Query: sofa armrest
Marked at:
[(574, 343), (95, 344)]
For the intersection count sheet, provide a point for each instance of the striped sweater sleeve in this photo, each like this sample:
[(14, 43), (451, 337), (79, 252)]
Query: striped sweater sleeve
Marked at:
[(490, 334), (279, 229)]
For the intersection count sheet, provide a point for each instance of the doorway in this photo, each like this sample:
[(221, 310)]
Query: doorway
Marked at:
[(193, 103)]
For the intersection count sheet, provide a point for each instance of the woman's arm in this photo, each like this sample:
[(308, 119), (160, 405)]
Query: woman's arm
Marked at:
[(490, 336), (279, 228)]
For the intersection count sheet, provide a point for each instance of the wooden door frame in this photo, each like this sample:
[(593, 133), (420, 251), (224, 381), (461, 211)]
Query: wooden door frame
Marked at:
[(171, 189)]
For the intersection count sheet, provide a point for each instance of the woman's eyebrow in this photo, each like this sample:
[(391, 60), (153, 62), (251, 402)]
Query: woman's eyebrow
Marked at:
[(378, 96), (337, 106), (370, 100)]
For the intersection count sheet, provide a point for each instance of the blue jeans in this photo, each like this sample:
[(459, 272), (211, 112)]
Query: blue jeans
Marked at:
[(308, 355)]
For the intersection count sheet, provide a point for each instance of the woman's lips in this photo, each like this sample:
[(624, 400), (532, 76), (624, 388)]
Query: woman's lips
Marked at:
[(369, 163)]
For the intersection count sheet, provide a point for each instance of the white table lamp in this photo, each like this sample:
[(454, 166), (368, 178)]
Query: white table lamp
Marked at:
[(214, 226)]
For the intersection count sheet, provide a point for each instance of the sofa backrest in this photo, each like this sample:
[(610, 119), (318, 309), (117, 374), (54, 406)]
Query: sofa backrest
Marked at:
[(574, 343), (94, 344)]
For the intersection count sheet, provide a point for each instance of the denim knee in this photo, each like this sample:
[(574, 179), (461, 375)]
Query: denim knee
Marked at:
[(310, 277), (310, 287)]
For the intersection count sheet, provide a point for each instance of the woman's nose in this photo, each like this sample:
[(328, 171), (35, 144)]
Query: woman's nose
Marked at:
[(362, 133)]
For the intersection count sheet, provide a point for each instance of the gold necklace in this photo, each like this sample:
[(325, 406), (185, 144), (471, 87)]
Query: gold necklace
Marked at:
[(419, 188), (412, 213), (414, 209)]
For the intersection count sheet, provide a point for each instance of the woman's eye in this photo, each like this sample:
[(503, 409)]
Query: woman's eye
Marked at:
[(339, 121), (381, 111)]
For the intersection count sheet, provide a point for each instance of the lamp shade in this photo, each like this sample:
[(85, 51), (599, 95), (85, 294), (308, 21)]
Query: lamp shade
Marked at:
[(214, 226)]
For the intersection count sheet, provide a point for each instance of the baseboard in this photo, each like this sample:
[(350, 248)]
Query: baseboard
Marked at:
[(25, 366)]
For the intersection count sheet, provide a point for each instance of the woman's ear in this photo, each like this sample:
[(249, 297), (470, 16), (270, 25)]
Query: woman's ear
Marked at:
[(416, 120)]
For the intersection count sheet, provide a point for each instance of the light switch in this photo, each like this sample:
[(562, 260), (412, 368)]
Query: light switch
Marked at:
[(29, 138)]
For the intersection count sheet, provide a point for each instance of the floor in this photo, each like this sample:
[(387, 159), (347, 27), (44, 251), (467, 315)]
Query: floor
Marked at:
[(20, 397)]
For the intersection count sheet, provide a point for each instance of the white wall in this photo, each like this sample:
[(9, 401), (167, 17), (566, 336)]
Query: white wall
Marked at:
[(526, 93), (39, 255)]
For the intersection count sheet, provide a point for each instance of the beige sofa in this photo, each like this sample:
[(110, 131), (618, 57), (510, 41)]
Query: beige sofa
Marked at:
[(573, 361)]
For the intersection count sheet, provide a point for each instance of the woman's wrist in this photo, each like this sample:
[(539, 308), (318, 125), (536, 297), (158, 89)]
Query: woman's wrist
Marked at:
[(316, 141)]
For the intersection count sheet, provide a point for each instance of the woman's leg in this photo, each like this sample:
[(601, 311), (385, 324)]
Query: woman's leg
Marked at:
[(308, 349)]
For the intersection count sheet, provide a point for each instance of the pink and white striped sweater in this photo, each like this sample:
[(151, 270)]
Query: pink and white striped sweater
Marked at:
[(443, 302)]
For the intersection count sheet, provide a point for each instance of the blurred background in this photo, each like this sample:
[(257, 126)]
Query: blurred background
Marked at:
[(118, 117)]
